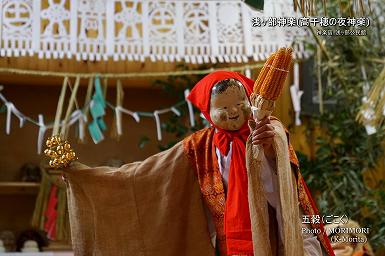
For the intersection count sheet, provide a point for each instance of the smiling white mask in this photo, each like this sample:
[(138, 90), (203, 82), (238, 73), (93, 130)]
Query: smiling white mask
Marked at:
[(229, 105)]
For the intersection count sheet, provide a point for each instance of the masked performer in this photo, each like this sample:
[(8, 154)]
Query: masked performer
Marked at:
[(197, 197)]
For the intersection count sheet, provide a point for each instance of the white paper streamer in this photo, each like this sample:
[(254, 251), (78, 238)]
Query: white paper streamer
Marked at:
[(158, 128), (366, 86), (190, 108), (176, 111), (22, 122), (135, 115), (157, 119), (9, 107), (296, 74), (370, 129), (248, 73), (19, 115), (40, 138), (118, 118), (2, 98), (296, 100), (296, 95), (82, 122), (75, 116), (369, 115), (118, 115)]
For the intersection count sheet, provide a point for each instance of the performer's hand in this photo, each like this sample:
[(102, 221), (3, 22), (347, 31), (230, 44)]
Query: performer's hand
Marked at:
[(263, 135)]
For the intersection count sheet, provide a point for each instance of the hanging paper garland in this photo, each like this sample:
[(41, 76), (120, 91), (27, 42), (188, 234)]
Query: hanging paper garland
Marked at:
[(97, 108), (96, 104)]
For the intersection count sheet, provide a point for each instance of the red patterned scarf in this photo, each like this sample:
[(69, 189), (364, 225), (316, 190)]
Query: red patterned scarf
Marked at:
[(237, 214)]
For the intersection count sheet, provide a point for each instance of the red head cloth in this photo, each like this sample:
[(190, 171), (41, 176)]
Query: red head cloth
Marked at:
[(201, 93), (237, 216)]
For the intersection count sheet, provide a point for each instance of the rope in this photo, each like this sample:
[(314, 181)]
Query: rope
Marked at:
[(124, 75)]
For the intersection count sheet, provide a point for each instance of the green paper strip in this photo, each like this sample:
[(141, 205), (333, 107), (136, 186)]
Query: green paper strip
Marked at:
[(102, 125), (99, 92), (95, 132), (97, 109)]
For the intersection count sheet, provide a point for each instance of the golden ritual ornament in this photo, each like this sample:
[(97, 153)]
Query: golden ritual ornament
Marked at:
[(60, 152)]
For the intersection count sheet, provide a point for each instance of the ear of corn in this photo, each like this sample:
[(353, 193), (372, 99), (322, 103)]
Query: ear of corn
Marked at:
[(272, 77), (263, 73), (268, 87), (282, 75)]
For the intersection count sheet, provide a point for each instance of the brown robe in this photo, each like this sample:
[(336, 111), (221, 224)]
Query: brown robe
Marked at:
[(156, 207), (152, 207)]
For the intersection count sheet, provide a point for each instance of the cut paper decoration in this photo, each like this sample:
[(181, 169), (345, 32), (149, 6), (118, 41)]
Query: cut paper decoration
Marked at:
[(189, 31)]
